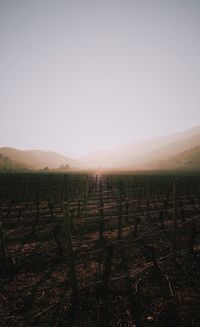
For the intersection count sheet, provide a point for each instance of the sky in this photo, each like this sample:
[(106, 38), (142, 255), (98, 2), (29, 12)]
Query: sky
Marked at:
[(79, 76)]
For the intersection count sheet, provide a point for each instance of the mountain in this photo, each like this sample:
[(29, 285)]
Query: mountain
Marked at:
[(37, 159), (189, 159), (7, 164), (150, 160), (18, 156), (144, 155), (51, 159), (165, 152)]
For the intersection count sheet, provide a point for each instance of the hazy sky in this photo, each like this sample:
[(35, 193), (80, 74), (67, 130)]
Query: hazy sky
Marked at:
[(79, 75)]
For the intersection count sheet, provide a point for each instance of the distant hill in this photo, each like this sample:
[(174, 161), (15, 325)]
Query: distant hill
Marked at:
[(51, 159), (189, 159), (18, 156), (7, 164), (37, 159), (168, 151), (146, 154), (150, 160)]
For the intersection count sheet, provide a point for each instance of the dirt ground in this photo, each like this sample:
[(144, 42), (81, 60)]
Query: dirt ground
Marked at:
[(146, 285)]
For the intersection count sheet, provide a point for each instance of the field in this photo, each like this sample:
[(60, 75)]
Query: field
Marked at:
[(99, 250)]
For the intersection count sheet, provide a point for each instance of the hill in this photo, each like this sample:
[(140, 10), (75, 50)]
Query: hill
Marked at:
[(37, 159), (9, 165), (145, 154), (160, 152), (151, 159), (51, 159), (189, 159)]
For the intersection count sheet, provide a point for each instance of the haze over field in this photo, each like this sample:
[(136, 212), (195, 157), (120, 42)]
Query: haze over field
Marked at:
[(177, 151), (79, 77)]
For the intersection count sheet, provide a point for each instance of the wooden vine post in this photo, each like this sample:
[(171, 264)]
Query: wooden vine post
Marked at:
[(101, 211), (2, 246), (67, 228), (37, 216), (174, 225), (120, 211), (107, 270), (86, 195), (192, 237), (134, 303), (65, 188)]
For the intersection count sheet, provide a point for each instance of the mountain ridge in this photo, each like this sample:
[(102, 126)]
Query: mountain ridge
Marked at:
[(155, 153), (38, 159), (135, 154)]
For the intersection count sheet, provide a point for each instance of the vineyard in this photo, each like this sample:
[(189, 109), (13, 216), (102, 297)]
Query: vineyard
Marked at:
[(99, 250)]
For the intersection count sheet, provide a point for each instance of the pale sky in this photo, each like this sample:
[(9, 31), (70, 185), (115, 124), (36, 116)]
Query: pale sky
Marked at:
[(78, 76)]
